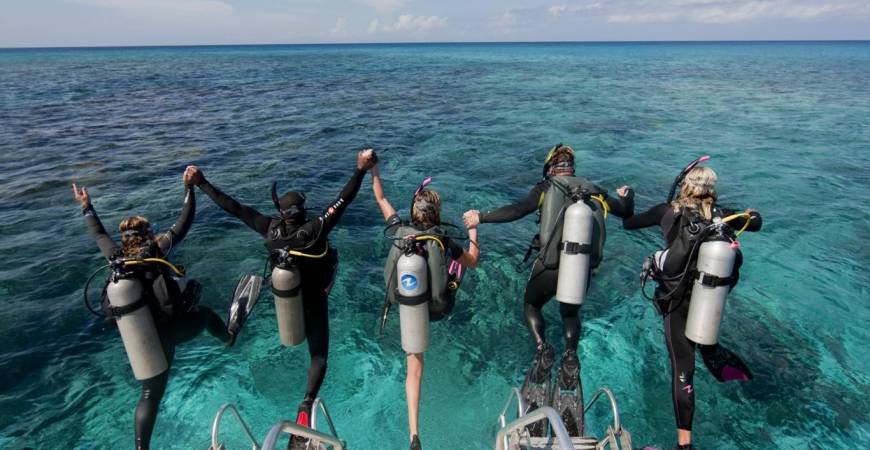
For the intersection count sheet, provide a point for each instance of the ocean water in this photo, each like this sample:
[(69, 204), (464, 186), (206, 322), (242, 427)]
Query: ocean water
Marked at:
[(786, 123)]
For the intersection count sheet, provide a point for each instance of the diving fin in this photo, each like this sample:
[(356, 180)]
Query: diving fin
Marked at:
[(724, 364), (567, 397), (244, 298), (536, 387)]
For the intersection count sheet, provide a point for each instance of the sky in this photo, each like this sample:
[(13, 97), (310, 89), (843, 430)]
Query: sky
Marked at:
[(61, 23)]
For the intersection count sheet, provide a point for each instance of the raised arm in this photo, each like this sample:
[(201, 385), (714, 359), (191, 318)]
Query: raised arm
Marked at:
[(250, 216), (386, 208), (107, 246), (365, 160), (181, 226), (471, 257)]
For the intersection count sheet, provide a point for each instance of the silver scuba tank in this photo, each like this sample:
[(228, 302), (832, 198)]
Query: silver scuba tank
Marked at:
[(413, 286), (144, 350), (716, 259), (574, 254), (288, 305)]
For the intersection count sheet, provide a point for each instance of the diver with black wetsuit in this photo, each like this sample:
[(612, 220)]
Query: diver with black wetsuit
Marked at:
[(680, 222), (541, 286), (293, 231), (178, 318)]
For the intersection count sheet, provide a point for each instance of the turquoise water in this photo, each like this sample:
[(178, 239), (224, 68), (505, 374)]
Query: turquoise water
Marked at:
[(786, 123)]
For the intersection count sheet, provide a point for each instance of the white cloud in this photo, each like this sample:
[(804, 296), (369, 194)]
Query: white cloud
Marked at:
[(565, 10), (731, 11), (409, 23), (340, 28), (384, 6), (166, 8)]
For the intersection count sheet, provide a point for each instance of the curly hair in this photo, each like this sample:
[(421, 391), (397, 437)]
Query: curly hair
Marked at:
[(136, 236), (427, 209)]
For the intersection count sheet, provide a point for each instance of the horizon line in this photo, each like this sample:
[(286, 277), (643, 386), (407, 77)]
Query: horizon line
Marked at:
[(686, 41)]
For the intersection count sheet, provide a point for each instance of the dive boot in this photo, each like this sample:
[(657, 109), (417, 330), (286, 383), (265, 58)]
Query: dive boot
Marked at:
[(303, 417)]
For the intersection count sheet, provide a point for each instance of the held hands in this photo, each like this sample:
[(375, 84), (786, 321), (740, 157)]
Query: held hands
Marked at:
[(366, 159), (81, 195), (471, 219), (193, 176), (624, 191)]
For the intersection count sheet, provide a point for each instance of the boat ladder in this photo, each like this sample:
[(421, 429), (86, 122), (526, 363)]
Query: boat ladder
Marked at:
[(317, 440), (515, 435)]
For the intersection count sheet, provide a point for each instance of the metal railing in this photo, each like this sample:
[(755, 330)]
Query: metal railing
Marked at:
[(617, 424), (298, 430), (521, 406), (215, 427), (545, 412)]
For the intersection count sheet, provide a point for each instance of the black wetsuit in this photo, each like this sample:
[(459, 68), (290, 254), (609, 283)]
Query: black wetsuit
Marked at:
[(316, 273), (182, 328), (680, 349), (541, 286)]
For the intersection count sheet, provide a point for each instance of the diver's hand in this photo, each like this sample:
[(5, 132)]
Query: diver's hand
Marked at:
[(624, 191), (193, 175), (81, 195), (471, 218), (366, 159)]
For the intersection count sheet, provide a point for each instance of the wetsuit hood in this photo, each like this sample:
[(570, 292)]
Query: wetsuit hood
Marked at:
[(291, 205)]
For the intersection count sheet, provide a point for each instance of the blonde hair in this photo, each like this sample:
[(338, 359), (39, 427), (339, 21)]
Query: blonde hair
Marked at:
[(698, 191), (428, 217), (138, 243)]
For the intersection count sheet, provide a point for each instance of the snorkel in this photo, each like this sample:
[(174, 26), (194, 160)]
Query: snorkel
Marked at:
[(682, 175), (426, 181)]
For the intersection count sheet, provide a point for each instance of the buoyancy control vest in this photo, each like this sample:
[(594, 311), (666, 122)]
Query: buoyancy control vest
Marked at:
[(675, 267), (552, 205), (432, 246), (168, 295)]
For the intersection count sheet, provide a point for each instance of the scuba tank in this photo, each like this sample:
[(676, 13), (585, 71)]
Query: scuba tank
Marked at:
[(413, 297), (714, 269), (129, 307), (575, 251), (288, 304)]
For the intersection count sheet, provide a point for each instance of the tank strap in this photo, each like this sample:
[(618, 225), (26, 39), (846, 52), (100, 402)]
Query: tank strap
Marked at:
[(415, 300), (713, 281), (118, 311), (287, 292), (575, 248)]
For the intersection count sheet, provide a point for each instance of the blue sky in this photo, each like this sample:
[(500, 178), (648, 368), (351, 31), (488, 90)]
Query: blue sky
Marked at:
[(26, 23)]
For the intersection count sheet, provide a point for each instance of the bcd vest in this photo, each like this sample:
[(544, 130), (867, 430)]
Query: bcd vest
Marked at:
[(552, 206), (441, 296)]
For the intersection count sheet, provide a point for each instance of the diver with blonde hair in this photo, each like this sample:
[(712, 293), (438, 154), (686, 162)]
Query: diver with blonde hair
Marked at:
[(427, 291), (165, 312), (688, 222)]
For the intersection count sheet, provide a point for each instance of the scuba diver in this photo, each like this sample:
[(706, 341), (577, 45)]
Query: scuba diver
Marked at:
[(299, 249), (695, 272), (154, 307), (567, 205), (422, 274)]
